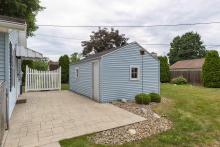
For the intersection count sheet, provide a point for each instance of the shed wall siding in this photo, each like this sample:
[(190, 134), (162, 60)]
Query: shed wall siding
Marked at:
[(115, 75), (83, 84), (2, 56)]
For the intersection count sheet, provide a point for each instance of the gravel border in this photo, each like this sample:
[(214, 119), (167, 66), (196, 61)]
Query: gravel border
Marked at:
[(152, 125)]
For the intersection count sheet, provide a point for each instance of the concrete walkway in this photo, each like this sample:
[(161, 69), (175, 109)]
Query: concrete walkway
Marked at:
[(48, 117)]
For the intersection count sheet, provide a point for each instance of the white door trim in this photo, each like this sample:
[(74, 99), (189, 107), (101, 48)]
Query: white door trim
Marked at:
[(95, 80)]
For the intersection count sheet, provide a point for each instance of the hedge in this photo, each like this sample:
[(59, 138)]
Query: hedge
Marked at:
[(64, 63), (211, 70), (142, 98), (164, 69), (155, 97)]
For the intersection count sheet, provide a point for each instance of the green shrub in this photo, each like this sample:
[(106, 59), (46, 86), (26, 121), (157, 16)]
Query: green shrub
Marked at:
[(25, 63), (211, 70), (64, 63), (155, 97), (179, 80), (164, 69), (142, 98), (40, 65)]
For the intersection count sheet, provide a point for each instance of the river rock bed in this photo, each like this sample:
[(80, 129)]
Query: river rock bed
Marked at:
[(152, 125)]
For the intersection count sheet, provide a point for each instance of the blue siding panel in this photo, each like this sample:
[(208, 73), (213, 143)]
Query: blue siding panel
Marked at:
[(12, 37), (2, 56), (116, 83), (114, 74), (83, 84)]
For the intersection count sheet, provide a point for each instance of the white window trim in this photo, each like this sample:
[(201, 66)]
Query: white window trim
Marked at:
[(76, 68), (138, 74)]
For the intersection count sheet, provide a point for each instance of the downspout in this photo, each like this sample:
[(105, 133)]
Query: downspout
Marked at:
[(158, 76), (142, 74), (100, 80)]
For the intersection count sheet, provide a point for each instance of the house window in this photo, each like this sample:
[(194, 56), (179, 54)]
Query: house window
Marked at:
[(134, 72), (77, 72)]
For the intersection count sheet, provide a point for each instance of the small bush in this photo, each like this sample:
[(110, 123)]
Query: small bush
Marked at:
[(155, 97), (179, 80), (142, 98)]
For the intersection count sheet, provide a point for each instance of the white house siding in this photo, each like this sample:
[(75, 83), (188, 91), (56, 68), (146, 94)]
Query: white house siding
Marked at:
[(13, 37), (2, 56), (83, 84), (115, 74)]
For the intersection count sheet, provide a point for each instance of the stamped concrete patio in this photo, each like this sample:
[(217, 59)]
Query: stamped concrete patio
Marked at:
[(48, 117)]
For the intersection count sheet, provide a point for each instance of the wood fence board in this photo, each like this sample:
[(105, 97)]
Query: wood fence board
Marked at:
[(193, 77)]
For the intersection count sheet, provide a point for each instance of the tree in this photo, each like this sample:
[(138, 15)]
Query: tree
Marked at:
[(25, 63), (187, 46), (164, 69), (40, 65), (74, 57), (102, 40), (64, 63), (24, 9), (211, 70)]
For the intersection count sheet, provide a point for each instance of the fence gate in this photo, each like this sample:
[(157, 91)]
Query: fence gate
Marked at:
[(42, 80)]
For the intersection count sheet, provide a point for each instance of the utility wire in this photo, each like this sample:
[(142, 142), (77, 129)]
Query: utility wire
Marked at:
[(153, 44), (129, 26), (163, 44), (45, 35)]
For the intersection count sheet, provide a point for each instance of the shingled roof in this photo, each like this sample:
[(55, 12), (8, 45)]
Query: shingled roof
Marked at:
[(100, 54), (11, 19), (96, 56), (188, 64)]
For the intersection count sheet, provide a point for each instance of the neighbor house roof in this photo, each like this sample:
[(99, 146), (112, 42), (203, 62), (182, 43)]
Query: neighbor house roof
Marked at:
[(188, 64), (27, 53), (53, 65), (53, 62), (98, 55), (14, 23)]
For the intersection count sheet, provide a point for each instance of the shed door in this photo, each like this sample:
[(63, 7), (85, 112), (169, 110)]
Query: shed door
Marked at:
[(96, 80)]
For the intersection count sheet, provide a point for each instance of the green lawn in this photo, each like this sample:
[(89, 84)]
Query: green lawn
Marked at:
[(64, 86), (194, 111)]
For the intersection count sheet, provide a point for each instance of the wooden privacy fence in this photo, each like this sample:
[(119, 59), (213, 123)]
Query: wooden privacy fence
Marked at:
[(193, 77), (42, 80)]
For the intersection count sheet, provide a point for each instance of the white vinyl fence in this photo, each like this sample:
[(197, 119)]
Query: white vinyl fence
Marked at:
[(42, 80)]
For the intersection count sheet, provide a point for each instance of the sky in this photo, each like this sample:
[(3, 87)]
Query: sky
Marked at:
[(56, 41)]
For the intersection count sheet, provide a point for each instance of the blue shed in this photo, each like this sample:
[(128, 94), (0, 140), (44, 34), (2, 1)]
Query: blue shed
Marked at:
[(118, 73)]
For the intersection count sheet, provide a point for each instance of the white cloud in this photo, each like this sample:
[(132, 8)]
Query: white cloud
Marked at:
[(124, 12)]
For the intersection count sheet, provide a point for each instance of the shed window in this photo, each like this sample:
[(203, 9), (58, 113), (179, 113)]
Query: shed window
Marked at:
[(77, 72), (134, 72)]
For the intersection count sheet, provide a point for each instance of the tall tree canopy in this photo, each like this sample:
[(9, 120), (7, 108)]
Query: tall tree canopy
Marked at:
[(74, 57), (187, 46), (102, 40), (25, 9), (64, 63)]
